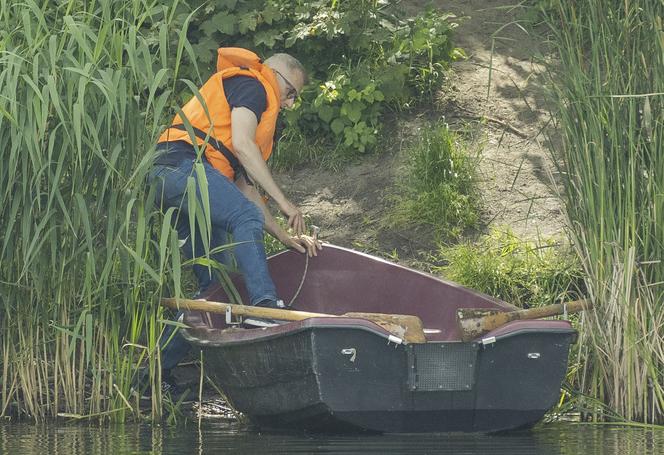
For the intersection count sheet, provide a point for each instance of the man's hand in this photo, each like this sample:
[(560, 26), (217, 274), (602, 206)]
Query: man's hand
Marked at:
[(304, 244), (295, 218)]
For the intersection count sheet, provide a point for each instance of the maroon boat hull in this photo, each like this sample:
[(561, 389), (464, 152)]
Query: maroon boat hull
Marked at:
[(333, 374)]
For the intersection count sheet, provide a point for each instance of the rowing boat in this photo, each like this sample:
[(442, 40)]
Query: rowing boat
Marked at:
[(338, 374)]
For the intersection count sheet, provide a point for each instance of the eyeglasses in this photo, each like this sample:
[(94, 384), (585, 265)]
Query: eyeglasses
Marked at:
[(291, 94)]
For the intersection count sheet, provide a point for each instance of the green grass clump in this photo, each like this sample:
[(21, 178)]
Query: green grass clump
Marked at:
[(519, 272), (439, 188), (294, 150)]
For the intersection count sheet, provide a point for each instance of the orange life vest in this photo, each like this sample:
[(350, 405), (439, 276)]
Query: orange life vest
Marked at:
[(216, 122)]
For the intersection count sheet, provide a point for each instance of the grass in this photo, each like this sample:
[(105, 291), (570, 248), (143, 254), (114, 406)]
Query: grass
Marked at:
[(295, 150), (608, 84), (523, 273), (438, 188)]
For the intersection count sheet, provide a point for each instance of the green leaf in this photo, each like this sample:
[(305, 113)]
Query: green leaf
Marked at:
[(267, 38), (248, 22), (226, 23), (141, 264), (206, 49), (351, 136), (209, 27), (337, 126), (353, 110), (271, 13), (326, 113)]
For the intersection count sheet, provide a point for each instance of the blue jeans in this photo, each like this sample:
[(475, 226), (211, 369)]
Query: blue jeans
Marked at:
[(230, 213)]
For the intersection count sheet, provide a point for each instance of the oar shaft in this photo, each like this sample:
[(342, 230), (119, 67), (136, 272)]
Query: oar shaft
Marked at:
[(242, 310), (404, 327), (550, 310)]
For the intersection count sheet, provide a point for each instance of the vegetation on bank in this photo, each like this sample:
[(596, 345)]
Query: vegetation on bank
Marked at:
[(523, 273), (364, 58), (439, 188), (83, 94), (609, 81)]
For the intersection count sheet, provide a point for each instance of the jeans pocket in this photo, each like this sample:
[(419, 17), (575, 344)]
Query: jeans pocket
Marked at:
[(171, 182)]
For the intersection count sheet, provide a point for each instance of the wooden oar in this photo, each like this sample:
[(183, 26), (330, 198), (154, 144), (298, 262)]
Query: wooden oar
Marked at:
[(408, 328), (474, 322)]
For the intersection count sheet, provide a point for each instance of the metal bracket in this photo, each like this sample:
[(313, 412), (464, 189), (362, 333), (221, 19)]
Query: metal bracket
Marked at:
[(229, 317), (352, 352), (487, 341)]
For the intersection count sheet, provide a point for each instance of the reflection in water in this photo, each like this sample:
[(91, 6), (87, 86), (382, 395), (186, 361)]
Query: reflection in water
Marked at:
[(218, 437)]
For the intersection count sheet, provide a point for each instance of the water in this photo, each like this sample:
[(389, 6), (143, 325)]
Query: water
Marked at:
[(219, 437)]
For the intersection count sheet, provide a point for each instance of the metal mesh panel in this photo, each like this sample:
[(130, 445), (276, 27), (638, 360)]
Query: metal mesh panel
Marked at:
[(442, 366)]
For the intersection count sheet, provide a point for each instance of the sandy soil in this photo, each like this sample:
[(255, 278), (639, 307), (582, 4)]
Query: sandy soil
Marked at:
[(505, 114)]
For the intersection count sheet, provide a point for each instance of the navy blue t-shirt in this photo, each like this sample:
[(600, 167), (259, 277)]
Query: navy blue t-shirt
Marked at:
[(241, 91), (246, 91)]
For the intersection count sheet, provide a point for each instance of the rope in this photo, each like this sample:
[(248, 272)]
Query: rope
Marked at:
[(304, 275), (315, 232)]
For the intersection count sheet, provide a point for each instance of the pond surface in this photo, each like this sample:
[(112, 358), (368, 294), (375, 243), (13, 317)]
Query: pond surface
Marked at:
[(220, 437)]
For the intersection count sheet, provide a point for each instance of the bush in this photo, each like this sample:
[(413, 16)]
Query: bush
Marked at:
[(362, 57)]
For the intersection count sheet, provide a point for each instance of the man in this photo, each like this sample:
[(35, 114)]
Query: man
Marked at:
[(233, 118)]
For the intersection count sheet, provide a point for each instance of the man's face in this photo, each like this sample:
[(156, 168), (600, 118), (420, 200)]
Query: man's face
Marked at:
[(290, 86)]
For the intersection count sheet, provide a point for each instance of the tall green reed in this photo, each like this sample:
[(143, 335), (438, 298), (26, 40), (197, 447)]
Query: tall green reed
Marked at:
[(609, 82), (84, 89)]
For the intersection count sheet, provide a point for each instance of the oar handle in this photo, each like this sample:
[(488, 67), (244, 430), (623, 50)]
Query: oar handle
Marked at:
[(552, 310)]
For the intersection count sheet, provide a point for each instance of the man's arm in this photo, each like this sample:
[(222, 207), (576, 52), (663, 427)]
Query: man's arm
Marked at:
[(243, 129), (302, 243)]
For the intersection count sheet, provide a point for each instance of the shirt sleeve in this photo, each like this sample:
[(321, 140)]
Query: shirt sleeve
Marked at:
[(246, 91)]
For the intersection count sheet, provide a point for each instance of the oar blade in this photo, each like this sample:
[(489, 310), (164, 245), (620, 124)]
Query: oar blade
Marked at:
[(474, 322), (407, 327)]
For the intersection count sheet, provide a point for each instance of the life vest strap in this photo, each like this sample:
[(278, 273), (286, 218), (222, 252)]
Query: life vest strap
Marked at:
[(221, 148)]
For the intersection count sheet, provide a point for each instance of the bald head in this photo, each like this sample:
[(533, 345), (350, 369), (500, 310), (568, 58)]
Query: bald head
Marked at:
[(287, 63), (291, 77)]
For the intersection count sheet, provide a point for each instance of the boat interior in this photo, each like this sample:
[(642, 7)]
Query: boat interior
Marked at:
[(340, 280)]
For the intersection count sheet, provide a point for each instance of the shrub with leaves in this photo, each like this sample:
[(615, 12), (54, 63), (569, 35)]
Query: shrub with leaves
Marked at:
[(362, 56), (347, 107)]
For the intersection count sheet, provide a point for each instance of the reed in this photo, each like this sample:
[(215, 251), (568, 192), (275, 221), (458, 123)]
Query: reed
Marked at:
[(84, 88), (609, 84)]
